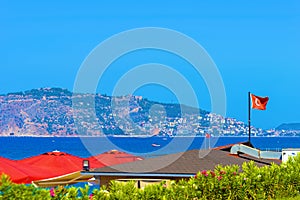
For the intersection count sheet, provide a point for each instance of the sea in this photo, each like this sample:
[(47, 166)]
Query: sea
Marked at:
[(17, 148)]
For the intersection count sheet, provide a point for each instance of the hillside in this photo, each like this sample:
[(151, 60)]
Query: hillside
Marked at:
[(289, 126), (49, 112)]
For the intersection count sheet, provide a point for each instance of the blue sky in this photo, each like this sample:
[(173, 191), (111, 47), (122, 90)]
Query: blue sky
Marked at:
[(255, 45)]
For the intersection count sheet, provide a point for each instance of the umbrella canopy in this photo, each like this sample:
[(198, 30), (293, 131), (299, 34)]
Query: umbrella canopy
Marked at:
[(56, 163), (53, 165), (112, 157), (21, 172), (67, 179), (13, 170)]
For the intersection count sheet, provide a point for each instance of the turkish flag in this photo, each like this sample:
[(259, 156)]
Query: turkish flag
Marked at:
[(259, 103)]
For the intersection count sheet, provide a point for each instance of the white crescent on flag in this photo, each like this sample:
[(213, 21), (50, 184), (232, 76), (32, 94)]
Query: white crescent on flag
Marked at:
[(257, 102)]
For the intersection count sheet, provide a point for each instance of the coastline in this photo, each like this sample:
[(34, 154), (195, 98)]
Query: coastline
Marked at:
[(142, 136)]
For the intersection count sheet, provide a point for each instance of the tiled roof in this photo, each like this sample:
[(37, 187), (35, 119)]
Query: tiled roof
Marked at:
[(189, 162)]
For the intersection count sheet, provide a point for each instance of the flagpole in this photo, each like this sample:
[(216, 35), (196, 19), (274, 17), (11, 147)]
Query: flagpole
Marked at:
[(249, 117)]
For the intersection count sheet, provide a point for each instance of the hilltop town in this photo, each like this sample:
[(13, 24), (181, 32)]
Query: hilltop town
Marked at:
[(52, 112)]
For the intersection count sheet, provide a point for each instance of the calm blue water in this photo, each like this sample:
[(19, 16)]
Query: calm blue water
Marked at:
[(22, 147)]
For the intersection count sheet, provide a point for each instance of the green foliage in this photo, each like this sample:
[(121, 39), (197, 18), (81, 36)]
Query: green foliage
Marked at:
[(225, 182), (123, 191), (9, 190)]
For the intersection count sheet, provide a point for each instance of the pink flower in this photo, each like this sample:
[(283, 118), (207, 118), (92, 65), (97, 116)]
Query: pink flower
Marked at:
[(52, 193), (220, 178), (91, 196), (234, 173)]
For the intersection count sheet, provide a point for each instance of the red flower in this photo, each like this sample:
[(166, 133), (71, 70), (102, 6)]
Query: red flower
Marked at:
[(234, 173), (222, 172), (213, 174), (220, 178), (204, 172)]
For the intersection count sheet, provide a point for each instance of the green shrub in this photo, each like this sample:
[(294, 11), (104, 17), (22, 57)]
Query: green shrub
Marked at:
[(9, 190), (225, 182)]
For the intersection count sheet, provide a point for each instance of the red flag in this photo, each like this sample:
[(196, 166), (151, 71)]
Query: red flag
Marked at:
[(259, 103), (207, 135)]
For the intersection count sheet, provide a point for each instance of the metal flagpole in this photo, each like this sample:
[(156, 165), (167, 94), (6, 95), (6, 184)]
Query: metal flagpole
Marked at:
[(249, 118)]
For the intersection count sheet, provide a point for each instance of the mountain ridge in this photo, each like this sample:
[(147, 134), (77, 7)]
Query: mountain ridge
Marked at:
[(288, 126), (52, 112)]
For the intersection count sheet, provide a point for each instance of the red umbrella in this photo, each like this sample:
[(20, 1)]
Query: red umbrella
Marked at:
[(19, 172), (13, 170), (113, 157), (55, 159), (56, 163)]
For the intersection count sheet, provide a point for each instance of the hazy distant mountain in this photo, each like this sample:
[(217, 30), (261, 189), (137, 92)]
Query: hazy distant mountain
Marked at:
[(289, 126), (49, 112)]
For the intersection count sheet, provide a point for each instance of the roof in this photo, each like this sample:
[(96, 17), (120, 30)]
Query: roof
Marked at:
[(291, 149), (189, 162)]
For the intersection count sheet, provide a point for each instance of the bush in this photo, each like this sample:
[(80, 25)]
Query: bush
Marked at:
[(225, 182)]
